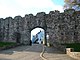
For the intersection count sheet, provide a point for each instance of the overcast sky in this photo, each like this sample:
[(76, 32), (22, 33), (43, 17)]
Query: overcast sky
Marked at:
[(21, 7)]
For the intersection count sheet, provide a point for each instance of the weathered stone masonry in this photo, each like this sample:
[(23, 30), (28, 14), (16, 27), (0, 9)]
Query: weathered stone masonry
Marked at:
[(61, 27)]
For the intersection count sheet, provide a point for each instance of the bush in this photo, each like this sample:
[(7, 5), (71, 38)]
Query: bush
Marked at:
[(5, 44), (76, 46)]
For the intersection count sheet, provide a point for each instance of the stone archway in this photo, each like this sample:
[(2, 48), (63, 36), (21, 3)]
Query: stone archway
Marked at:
[(33, 22)]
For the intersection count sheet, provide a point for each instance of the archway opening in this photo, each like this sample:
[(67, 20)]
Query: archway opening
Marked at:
[(37, 35)]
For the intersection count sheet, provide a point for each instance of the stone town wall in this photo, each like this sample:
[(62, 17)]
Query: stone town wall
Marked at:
[(61, 27), (71, 53)]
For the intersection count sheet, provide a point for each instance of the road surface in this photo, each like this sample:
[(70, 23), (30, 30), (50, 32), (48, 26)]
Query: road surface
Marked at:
[(32, 53)]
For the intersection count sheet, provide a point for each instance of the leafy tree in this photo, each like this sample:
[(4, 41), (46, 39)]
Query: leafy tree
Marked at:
[(72, 4)]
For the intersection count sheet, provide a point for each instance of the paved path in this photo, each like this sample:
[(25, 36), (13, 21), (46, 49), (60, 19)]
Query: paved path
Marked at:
[(22, 53), (32, 53), (54, 54)]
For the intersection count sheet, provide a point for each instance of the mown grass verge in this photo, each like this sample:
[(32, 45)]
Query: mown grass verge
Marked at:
[(5, 44), (75, 46)]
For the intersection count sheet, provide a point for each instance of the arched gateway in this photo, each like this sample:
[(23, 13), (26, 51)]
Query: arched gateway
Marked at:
[(61, 27), (32, 22)]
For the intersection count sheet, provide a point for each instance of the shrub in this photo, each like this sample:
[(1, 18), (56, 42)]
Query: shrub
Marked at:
[(76, 46)]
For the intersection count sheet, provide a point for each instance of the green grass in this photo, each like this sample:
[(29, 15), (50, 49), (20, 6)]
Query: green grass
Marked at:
[(4, 44), (76, 46)]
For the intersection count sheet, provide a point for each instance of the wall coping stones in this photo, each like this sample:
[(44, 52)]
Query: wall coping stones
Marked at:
[(75, 55)]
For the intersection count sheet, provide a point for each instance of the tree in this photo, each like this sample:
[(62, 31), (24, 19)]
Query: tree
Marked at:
[(72, 4)]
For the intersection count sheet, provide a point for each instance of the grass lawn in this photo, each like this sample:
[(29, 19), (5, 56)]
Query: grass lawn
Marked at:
[(4, 44), (76, 46)]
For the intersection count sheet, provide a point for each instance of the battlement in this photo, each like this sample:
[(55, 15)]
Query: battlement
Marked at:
[(61, 27)]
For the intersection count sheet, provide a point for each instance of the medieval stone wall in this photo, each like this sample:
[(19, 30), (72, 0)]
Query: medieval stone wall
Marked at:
[(61, 27)]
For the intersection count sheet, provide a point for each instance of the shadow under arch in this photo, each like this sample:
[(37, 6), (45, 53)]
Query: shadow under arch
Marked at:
[(37, 27), (43, 30)]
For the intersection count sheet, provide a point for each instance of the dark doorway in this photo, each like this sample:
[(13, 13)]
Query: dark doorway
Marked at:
[(17, 36)]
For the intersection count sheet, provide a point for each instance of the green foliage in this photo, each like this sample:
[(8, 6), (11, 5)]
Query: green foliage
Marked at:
[(76, 46), (5, 44), (70, 4)]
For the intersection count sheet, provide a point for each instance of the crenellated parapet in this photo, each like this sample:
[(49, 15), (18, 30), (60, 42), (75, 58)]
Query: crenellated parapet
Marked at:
[(61, 27)]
